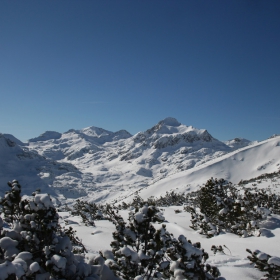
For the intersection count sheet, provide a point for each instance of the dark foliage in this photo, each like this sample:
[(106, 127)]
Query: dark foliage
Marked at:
[(143, 252), (220, 206), (88, 211), (35, 246), (266, 263)]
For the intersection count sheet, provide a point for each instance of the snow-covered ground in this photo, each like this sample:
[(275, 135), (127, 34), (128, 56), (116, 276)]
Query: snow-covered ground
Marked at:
[(233, 263)]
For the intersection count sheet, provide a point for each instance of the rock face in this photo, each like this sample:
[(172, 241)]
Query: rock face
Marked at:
[(170, 132), (97, 162)]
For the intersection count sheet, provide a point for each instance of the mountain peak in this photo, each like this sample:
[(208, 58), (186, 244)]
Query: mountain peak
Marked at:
[(48, 135), (96, 131), (170, 122), (166, 126)]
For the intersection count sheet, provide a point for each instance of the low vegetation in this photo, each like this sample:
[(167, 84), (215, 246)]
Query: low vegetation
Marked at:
[(266, 263), (220, 206), (33, 245)]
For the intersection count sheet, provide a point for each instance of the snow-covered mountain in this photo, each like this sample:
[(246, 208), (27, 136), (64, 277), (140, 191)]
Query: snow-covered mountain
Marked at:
[(238, 143), (31, 169), (112, 162), (243, 164), (101, 165)]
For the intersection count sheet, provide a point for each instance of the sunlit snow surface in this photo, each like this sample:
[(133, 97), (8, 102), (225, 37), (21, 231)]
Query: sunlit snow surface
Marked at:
[(233, 264), (245, 163)]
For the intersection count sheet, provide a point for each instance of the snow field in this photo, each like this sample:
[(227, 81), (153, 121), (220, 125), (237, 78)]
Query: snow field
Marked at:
[(233, 263)]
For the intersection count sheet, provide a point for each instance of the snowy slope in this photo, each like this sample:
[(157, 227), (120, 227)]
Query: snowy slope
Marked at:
[(13, 139), (48, 135), (233, 263), (245, 163), (28, 167)]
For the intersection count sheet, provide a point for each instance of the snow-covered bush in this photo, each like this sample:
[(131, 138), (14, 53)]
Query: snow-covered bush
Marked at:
[(88, 211), (188, 261), (264, 176), (33, 245), (218, 248), (143, 252), (169, 199), (263, 200), (219, 205), (266, 263)]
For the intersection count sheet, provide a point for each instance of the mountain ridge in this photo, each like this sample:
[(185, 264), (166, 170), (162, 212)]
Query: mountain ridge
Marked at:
[(100, 164)]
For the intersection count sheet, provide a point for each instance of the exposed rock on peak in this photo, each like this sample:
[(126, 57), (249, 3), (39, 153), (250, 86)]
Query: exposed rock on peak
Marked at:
[(274, 136), (166, 126), (14, 139), (187, 137), (6, 142), (238, 143), (170, 132)]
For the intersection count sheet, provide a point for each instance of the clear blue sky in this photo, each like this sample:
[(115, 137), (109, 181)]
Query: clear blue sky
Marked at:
[(126, 64)]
